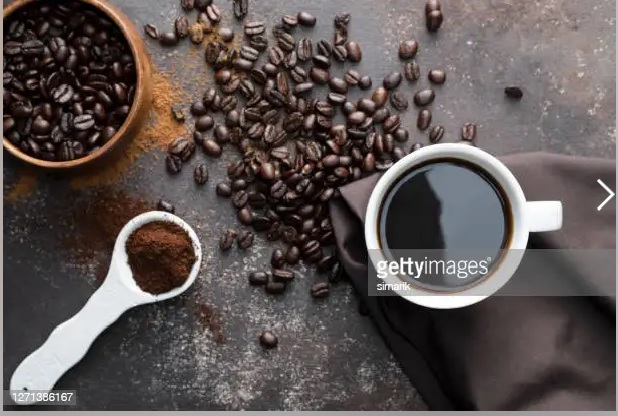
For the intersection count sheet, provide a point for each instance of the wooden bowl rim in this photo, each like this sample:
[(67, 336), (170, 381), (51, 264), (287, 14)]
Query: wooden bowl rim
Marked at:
[(127, 28)]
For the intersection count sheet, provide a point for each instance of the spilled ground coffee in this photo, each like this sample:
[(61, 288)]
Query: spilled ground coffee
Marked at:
[(161, 256)]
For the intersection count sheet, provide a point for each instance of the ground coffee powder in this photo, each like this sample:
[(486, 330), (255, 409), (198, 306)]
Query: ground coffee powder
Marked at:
[(161, 256)]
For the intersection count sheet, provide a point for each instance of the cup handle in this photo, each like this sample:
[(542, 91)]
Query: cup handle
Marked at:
[(544, 215)]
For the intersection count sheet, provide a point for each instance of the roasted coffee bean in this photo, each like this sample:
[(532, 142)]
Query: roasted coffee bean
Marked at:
[(324, 48), (200, 174), (249, 53), (336, 99), (303, 88), (168, 39), (226, 241), (321, 61), (298, 75), (289, 20), (392, 80), (416, 146), (367, 106), (434, 20), (412, 71), (62, 94), (32, 47), (268, 340), (213, 13), (211, 148), (278, 189), (320, 290), (424, 119), (258, 278), (398, 153), (380, 97), (319, 75), (339, 53), (276, 55), (282, 84), (166, 206), (182, 148), (306, 19), (198, 109), (292, 255), (391, 124), (365, 82), (254, 28), (223, 189), (436, 76), (277, 259), (356, 118), (352, 77), (226, 34), (293, 122), (274, 288), (408, 49), (151, 31), (436, 133), (173, 164), (240, 198), (204, 123), (355, 53), (283, 275), (245, 239), (240, 8), (513, 92), (181, 26), (83, 122), (305, 50), (468, 132), (338, 85), (369, 163), (286, 42), (291, 60), (398, 101), (424, 97), (259, 42), (196, 33), (401, 135), (202, 5)]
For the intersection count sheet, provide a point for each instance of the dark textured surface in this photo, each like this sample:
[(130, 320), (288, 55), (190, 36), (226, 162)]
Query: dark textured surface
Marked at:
[(329, 357)]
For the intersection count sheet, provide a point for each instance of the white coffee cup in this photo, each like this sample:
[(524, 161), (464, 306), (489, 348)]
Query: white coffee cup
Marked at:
[(527, 217)]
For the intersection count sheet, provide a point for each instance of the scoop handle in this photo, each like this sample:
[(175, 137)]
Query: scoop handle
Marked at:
[(69, 341)]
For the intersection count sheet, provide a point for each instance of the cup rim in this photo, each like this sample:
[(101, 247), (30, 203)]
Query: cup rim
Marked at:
[(127, 30), (512, 254)]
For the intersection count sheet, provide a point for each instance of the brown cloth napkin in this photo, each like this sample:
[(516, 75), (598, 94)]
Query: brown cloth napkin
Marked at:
[(505, 353)]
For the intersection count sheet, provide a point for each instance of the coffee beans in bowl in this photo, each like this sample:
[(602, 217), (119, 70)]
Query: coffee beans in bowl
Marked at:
[(72, 84)]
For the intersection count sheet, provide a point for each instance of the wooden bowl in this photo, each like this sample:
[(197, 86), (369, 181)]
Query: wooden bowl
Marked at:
[(139, 108)]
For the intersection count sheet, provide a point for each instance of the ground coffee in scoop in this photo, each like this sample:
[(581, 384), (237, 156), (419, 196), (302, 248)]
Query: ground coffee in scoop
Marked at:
[(161, 256)]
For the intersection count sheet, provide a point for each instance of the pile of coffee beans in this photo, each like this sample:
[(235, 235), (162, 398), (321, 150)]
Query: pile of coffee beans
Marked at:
[(296, 148), (69, 79)]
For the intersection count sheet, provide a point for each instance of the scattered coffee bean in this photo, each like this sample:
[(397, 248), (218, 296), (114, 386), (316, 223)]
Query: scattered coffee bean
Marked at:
[(424, 98), (412, 71), (226, 34), (292, 255), (268, 340), (151, 31), (258, 278), (306, 19), (513, 92), (408, 49), (355, 53), (468, 132), (437, 76), (227, 239), (166, 206), (320, 290), (254, 28), (365, 82), (283, 275), (173, 164), (200, 174), (181, 26), (240, 8), (245, 239), (424, 119), (223, 189), (212, 148), (168, 39), (398, 101), (274, 287), (436, 133)]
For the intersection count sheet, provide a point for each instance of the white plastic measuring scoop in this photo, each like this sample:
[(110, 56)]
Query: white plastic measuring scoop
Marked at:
[(70, 341)]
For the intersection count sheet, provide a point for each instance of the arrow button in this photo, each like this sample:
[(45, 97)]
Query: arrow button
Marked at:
[(609, 191)]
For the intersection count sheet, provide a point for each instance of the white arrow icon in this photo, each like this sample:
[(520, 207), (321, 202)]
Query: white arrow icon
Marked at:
[(609, 191)]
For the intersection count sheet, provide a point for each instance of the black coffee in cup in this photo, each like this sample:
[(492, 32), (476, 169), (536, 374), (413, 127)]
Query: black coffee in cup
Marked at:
[(449, 214)]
